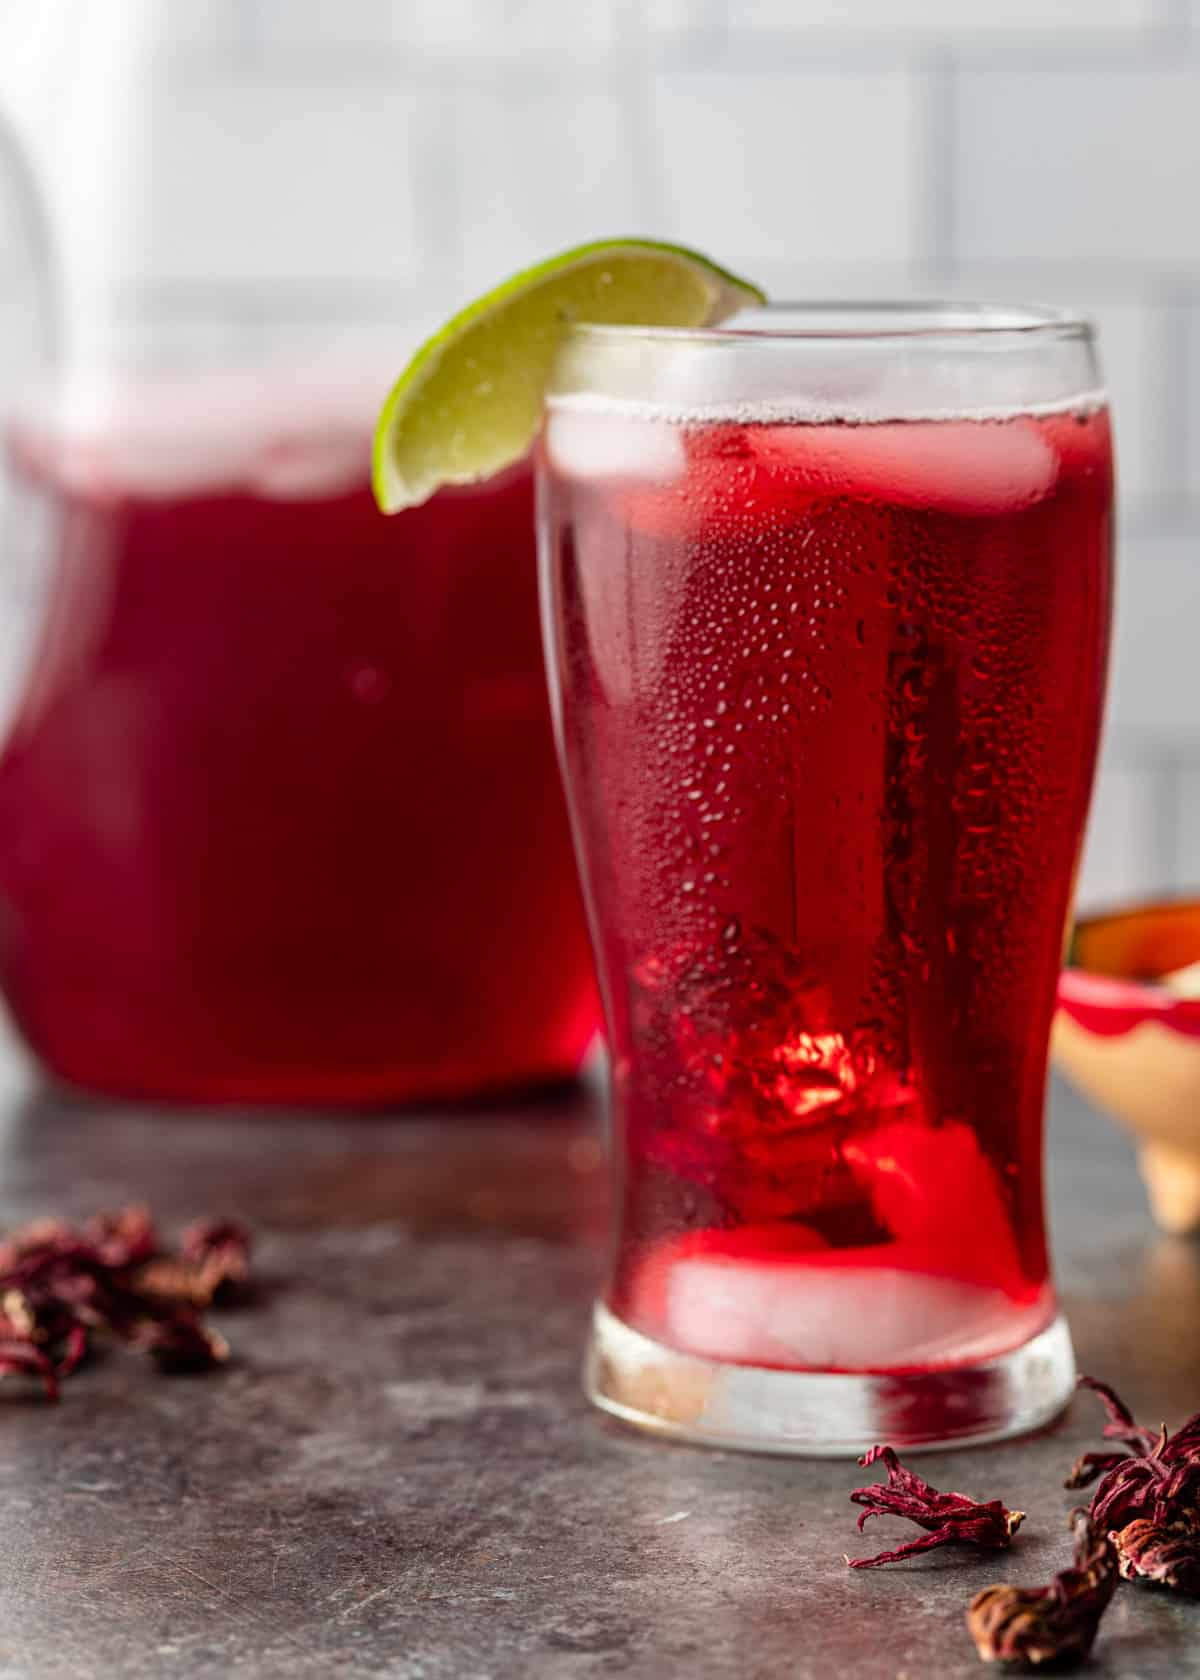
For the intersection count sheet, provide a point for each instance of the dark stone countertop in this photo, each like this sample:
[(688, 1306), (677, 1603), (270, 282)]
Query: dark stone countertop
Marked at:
[(399, 1475)]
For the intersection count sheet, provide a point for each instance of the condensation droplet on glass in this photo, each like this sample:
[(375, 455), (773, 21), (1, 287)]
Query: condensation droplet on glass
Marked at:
[(368, 683)]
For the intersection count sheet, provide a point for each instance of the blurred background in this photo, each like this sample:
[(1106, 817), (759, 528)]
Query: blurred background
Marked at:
[(1040, 149)]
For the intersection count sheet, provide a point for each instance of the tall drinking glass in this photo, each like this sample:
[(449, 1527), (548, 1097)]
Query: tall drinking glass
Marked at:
[(827, 607)]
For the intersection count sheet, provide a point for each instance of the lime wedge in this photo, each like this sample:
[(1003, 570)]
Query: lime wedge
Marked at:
[(471, 399)]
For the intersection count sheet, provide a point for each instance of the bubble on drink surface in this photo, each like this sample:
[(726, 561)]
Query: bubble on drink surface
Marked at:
[(368, 682)]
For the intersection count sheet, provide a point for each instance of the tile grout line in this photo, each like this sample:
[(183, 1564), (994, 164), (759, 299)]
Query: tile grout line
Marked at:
[(936, 164), (1187, 435), (635, 69), (1174, 23), (440, 200), (716, 27), (1165, 807), (1172, 390), (1187, 864), (252, 33), (831, 52)]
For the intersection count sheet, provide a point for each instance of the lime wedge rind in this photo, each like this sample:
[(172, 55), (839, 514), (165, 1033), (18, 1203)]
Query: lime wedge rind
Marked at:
[(469, 402)]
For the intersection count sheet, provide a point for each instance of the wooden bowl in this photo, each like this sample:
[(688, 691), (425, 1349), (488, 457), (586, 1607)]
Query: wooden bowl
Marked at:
[(1127, 1033)]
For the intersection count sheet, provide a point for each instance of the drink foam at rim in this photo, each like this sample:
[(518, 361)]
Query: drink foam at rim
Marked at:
[(280, 432), (970, 462), (794, 412), (749, 379)]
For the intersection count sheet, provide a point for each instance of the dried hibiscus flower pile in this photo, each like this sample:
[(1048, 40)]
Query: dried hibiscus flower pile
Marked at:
[(1143, 1524), (60, 1285), (1148, 1497)]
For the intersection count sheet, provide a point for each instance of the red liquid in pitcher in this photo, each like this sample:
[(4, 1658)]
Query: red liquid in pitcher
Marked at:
[(831, 696), (279, 813)]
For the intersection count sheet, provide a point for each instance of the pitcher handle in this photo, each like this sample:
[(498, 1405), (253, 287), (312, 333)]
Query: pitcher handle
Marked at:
[(18, 182)]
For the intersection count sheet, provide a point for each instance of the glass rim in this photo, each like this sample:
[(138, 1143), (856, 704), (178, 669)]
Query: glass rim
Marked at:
[(925, 321)]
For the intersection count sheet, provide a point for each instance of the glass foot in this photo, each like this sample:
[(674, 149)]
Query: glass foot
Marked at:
[(824, 1415)]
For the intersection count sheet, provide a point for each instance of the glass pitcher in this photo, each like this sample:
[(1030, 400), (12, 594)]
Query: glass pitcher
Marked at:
[(280, 818)]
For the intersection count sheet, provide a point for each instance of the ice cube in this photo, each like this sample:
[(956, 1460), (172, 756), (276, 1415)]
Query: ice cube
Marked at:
[(590, 443), (1082, 439), (936, 1191), (961, 466), (847, 1310), (723, 1252)]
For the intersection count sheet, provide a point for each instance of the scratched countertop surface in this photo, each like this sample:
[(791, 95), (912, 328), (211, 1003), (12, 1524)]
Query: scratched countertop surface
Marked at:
[(398, 1474)]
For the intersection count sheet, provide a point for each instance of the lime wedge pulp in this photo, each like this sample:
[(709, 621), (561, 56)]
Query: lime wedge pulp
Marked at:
[(470, 401)]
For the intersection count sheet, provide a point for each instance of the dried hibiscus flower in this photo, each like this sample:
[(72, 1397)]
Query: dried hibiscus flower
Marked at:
[(60, 1284), (212, 1264), (951, 1519), (1054, 1624), (1166, 1553), (1156, 1479)]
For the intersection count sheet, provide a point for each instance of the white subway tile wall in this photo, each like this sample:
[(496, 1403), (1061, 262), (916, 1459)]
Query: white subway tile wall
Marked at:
[(1093, 165), (582, 145), (1010, 148), (1128, 810), (682, 20), (232, 160), (1156, 655), (741, 175)]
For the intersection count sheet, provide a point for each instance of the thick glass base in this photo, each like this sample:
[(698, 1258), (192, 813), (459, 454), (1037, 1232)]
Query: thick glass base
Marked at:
[(824, 1415)]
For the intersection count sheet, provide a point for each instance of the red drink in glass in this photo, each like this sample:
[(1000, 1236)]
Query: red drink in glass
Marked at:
[(830, 703), (280, 818)]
